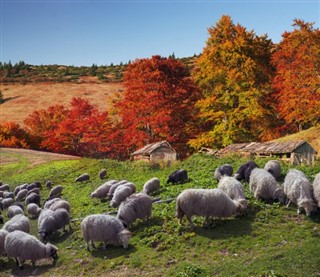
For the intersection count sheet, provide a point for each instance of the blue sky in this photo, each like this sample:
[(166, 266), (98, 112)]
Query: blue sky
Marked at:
[(103, 32)]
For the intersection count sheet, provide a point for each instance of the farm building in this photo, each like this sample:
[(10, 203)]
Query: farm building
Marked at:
[(155, 152), (296, 152)]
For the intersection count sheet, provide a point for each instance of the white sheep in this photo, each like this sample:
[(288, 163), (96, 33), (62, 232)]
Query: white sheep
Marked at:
[(18, 222), (205, 202), (5, 203), (3, 234), (234, 189), (114, 187), (22, 247), (151, 185), (273, 166), (5, 187), (264, 186), (55, 191), (120, 194), (299, 191), (33, 210), (60, 204), (223, 170), (21, 194), (102, 191), (14, 210), (316, 188), (104, 228), (138, 205)]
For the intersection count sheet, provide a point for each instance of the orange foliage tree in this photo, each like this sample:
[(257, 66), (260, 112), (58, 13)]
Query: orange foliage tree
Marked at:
[(14, 136), (158, 103), (297, 80)]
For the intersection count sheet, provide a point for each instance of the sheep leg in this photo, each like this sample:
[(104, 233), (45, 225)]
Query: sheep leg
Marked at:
[(92, 243), (190, 221), (87, 244), (289, 202), (17, 261)]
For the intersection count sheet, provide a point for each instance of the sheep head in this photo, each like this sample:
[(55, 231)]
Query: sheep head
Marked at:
[(123, 237)]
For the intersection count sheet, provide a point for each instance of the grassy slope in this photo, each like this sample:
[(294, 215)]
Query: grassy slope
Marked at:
[(269, 240)]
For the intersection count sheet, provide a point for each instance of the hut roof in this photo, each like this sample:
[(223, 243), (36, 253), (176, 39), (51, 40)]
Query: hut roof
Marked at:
[(264, 147), (149, 148)]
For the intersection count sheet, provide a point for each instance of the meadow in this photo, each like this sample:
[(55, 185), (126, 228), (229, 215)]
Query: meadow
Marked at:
[(268, 240)]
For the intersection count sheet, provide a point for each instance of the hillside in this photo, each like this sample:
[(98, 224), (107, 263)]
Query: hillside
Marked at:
[(268, 240)]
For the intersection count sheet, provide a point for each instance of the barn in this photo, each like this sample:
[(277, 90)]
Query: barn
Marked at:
[(155, 152), (295, 152)]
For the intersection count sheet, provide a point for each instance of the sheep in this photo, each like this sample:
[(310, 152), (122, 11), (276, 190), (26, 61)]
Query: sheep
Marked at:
[(120, 194), (55, 191), (5, 187), (299, 191), (104, 228), (83, 177), (8, 194), (138, 205), (60, 203), (102, 191), (18, 222), (273, 166), (50, 221), (14, 210), (22, 247), (3, 234), (48, 184), (1, 219), (264, 186), (21, 194), (316, 189), (20, 204), (179, 176), (31, 186), (244, 171), (102, 174), (33, 198), (34, 190), (5, 203), (151, 186), (114, 186), (222, 170), (205, 202), (33, 210), (234, 189), (17, 189)]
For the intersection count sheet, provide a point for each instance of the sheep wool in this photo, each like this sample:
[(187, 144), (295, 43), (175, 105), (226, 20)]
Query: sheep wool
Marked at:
[(14, 210), (222, 170), (33, 210), (3, 234), (120, 194), (274, 168), (151, 185), (18, 222), (316, 189), (102, 191)]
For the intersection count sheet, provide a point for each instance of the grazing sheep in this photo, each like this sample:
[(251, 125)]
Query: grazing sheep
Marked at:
[(35, 190), (5, 203), (138, 205), (33, 198), (102, 174), (179, 176), (20, 204), (50, 221), (3, 234), (17, 189), (21, 194), (55, 191), (244, 171), (31, 186), (8, 194), (104, 228), (234, 189), (264, 186), (316, 188), (102, 191), (5, 187), (151, 185), (60, 204), (120, 194), (114, 187), (14, 210), (299, 191), (274, 168), (33, 210), (205, 202), (22, 247), (48, 184), (222, 170), (18, 222), (83, 177)]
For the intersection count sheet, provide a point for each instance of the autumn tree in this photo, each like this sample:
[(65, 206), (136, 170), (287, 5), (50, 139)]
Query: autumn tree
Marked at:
[(297, 80), (158, 103), (13, 135), (234, 75)]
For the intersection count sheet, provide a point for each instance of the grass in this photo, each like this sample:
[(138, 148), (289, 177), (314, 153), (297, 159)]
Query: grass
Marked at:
[(269, 240)]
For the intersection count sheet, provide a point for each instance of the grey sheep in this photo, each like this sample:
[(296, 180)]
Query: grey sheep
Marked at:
[(102, 191), (273, 166), (299, 191), (102, 174), (316, 189), (8, 194), (5, 203), (33, 198), (5, 187), (33, 210), (222, 170), (34, 190), (120, 194), (205, 202), (21, 194), (22, 247), (17, 189), (104, 228), (234, 189), (18, 222), (114, 186), (56, 191), (83, 177), (14, 210), (138, 205), (48, 184), (151, 185), (60, 204), (264, 186), (3, 234), (50, 221)]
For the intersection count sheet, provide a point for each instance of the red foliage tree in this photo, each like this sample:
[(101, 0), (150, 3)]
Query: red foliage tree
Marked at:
[(12, 135)]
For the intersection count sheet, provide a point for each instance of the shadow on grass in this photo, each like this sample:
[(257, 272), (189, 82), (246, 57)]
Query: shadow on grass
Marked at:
[(60, 236), (111, 251)]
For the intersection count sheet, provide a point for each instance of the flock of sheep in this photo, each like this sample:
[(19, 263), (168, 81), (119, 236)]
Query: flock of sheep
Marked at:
[(227, 200)]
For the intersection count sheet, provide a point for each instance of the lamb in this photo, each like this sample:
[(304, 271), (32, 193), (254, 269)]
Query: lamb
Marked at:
[(33, 198), (3, 234), (264, 186), (273, 166), (138, 205), (50, 221), (151, 186), (104, 228), (33, 210), (21, 194), (102, 174), (222, 170), (234, 189), (14, 210), (5, 203), (102, 191), (299, 191), (179, 176), (55, 191), (316, 188), (23, 246), (18, 222), (244, 171), (83, 177), (120, 194)]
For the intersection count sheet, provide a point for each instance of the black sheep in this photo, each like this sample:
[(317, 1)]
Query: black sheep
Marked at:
[(179, 176), (244, 171)]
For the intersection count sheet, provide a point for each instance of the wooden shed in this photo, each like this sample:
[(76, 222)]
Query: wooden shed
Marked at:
[(155, 152), (296, 152)]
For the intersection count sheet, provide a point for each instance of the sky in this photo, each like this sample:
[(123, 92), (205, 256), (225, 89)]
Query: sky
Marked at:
[(101, 32)]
